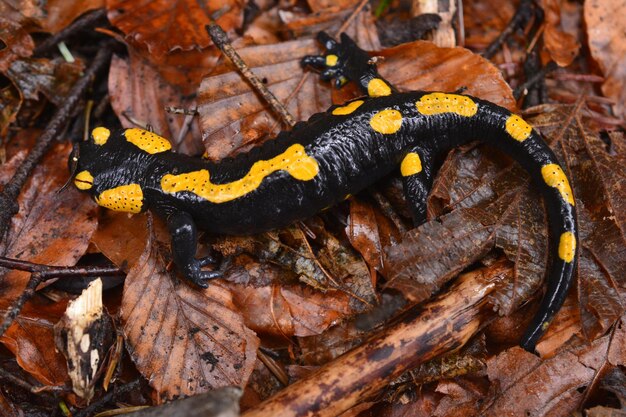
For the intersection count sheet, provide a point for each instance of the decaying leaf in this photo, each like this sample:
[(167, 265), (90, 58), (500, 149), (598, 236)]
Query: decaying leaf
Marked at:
[(182, 339), (19, 43), (53, 78), (438, 250)]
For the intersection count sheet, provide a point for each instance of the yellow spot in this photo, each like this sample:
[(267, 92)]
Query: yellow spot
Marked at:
[(331, 60), (83, 180), (123, 198), (411, 164), (567, 246), (147, 141), (518, 128), (377, 88), (554, 176), (545, 325), (294, 160), (100, 135), (438, 103), (348, 108), (386, 121)]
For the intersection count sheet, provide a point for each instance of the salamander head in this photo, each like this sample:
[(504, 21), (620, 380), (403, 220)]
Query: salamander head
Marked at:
[(111, 166)]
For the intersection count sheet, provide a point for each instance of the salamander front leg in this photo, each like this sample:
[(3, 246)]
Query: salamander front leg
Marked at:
[(345, 61), (184, 244), (417, 177)]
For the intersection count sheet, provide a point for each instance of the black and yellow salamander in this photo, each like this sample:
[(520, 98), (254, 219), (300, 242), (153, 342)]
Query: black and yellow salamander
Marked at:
[(319, 163)]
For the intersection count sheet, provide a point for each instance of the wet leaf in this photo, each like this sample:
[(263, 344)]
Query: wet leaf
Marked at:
[(164, 26), (53, 78), (183, 340), (524, 385), (233, 117), (10, 103), (31, 339), (522, 235), (231, 114), (437, 251), (290, 310), (18, 43), (36, 233), (362, 231), (605, 20), (139, 95), (121, 237)]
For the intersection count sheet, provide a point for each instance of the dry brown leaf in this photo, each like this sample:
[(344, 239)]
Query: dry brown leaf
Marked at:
[(606, 20), (562, 47), (183, 340), (37, 233), (164, 26), (138, 91)]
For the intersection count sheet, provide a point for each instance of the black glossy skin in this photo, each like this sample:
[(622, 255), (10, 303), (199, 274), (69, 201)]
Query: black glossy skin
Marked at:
[(350, 155)]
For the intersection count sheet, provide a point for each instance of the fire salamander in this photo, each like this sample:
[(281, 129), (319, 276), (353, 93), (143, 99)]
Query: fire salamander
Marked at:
[(319, 163)]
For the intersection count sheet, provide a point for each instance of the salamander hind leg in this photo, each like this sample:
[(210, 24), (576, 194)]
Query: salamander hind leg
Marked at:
[(345, 61), (416, 170), (184, 244)]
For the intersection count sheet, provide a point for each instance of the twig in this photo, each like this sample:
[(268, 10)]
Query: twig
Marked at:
[(220, 39), (538, 76), (8, 197), (424, 333), (110, 396), (522, 15), (86, 21)]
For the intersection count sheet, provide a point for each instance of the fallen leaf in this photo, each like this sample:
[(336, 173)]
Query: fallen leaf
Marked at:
[(605, 21), (524, 385), (37, 233), (438, 250), (183, 340), (31, 339), (562, 46), (164, 26), (58, 14), (19, 43), (421, 65), (139, 94), (53, 78)]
